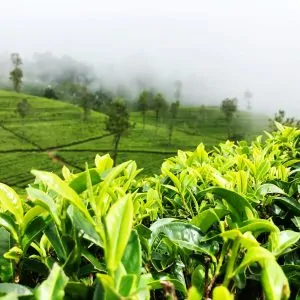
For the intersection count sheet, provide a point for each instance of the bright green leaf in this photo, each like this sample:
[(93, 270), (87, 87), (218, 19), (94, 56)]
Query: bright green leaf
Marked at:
[(221, 293), (53, 287), (274, 281), (118, 225), (9, 200), (132, 257)]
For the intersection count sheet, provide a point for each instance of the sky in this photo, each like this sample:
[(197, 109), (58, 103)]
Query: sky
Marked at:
[(218, 48)]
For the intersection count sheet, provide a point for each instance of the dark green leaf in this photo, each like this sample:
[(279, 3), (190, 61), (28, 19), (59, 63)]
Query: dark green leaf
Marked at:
[(205, 219), (34, 228), (53, 287), (239, 205), (198, 279), (82, 224), (6, 266), (128, 284), (9, 224), (185, 235), (94, 261), (77, 290), (288, 203), (292, 272), (55, 240), (79, 184), (132, 257)]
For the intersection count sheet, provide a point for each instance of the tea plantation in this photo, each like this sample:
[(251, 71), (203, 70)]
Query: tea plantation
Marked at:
[(221, 224), (54, 134)]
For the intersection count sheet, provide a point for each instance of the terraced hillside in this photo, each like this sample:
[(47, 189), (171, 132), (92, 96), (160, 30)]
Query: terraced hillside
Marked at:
[(54, 134)]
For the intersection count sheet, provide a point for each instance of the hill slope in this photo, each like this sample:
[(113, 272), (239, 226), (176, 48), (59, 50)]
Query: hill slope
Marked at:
[(54, 134)]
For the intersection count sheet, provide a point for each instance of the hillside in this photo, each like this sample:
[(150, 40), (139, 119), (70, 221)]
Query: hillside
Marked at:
[(54, 134)]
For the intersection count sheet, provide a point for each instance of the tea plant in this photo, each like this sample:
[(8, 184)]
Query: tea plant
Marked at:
[(222, 224)]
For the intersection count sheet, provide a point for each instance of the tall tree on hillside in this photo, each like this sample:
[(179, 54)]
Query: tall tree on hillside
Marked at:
[(248, 96), (16, 74), (83, 97), (143, 104), (159, 105), (86, 101), (229, 107), (117, 123), (174, 108), (178, 88)]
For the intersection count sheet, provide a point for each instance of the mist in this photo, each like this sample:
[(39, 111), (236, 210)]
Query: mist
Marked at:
[(217, 48)]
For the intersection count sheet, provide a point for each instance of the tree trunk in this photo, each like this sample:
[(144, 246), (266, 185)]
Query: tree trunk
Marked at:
[(156, 117), (144, 120), (170, 134), (229, 129), (85, 114), (115, 150)]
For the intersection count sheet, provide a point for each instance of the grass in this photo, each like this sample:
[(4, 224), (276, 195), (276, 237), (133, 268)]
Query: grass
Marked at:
[(58, 126)]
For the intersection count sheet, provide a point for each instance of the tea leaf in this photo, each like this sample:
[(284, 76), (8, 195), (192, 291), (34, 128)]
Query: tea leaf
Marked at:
[(132, 257), (275, 283), (118, 225), (9, 200), (221, 293), (53, 287)]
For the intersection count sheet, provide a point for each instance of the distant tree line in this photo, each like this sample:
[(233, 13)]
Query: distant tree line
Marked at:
[(73, 86)]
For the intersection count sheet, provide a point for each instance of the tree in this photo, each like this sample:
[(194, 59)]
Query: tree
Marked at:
[(49, 93), (23, 108), (86, 100), (173, 111), (174, 108), (117, 123), (281, 118), (229, 107), (248, 96), (102, 100), (178, 88), (143, 104), (16, 74), (83, 97), (159, 105)]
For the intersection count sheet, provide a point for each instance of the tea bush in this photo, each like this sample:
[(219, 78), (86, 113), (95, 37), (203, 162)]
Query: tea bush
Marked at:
[(222, 224)]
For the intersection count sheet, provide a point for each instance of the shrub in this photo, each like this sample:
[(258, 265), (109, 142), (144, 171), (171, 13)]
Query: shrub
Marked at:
[(214, 225)]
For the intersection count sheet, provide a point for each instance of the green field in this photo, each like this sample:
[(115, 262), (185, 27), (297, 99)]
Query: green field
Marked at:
[(55, 126)]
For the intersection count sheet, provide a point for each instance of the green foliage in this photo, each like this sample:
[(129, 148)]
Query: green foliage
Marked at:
[(219, 224), (229, 107), (23, 108), (143, 104), (117, 123), (16, 73), (50, 93), (160, 105), (280, 117)]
